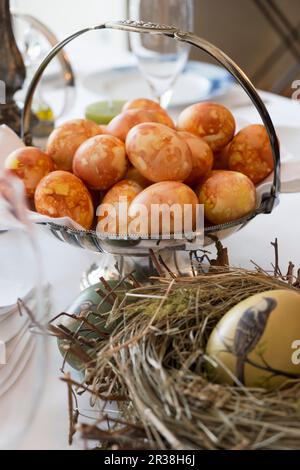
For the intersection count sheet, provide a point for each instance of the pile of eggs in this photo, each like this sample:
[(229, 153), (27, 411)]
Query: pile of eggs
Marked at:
[(144, 158)]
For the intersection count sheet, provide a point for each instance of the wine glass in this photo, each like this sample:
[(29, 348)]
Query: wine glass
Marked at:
[(23, 309), (161, 59)]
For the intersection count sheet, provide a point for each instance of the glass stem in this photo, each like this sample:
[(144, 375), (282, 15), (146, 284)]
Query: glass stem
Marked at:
[(165, 98)]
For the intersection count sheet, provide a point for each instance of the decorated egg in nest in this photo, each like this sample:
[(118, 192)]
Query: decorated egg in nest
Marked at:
[(257, 343), (86, 323)]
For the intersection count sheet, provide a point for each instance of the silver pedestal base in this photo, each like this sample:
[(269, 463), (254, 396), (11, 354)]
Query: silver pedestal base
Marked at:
[(117, 267)]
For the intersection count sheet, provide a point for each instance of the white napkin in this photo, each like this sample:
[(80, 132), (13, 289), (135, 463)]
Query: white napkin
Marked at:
[(290, 171), (9, 142)]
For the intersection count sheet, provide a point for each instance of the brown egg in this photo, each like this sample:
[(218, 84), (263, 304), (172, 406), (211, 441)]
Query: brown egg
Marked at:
[(202, 157), (61, 194), (113, 211), (67, 138), (221, 159), (103, 129), (256, 341), (159, 153), (204, 178), (227, 196), (211, 121), (171, 198), (30, 165), (134, 175), (142, 103), (121, 124), (250, 153), (100, 162)]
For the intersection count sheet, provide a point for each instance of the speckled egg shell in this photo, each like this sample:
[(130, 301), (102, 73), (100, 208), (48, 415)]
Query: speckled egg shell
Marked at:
[(211, 121), (227, 196), (61, 194), (142, 103), (250, 153), (101, 162), (67, 138), (159, 153), (167, 193), (124, 122), (134, 175), (122, 193), (202, 157), (103, 129), (30, 165), (221, 159)]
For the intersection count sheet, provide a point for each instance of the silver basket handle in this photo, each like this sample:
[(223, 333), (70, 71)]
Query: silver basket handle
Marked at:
[(269, 199)]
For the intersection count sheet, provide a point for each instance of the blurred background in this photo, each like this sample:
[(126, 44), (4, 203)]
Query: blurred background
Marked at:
[(261, 35)]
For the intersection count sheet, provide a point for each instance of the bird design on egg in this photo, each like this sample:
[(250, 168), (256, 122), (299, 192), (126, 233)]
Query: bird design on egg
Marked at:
[(249, 331), (252, 342)]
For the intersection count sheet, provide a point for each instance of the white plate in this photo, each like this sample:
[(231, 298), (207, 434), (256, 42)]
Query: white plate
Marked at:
[(14, 350), (10, 293), (199, 81), (16, 405), (29, 300), (12, 323), (16, 367)]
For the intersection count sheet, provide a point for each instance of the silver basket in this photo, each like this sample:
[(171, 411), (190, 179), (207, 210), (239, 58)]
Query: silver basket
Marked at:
[(89, 239)]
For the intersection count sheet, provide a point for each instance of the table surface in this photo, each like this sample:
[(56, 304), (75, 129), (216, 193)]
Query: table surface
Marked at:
[(64, 264)]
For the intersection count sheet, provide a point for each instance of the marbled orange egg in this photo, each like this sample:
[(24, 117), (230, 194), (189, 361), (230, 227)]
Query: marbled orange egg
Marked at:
[(103, 129), (121, 124), (113, 210), (101, 162), (61, 194), (250, 153), (134, 175), (221, 159), (211, 121), (202, 157), (67, 138), (160, 209), (142, 103), (227, 196), (30, 165), (159, 153)]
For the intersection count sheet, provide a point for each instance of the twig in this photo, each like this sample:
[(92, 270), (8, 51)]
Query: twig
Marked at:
[(277, 271), (116, 398), (290, 273), (156, 263), (297, 282)]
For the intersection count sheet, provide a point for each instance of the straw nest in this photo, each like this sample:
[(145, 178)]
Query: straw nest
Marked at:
[(154, 366)]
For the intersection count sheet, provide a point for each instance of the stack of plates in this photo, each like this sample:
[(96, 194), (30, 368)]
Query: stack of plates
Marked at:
[(20, 359)]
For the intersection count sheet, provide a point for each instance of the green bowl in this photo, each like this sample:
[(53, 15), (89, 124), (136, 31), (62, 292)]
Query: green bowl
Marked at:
[(103, 112)]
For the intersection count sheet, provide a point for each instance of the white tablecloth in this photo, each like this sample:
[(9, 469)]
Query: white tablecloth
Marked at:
[(64, 264)]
